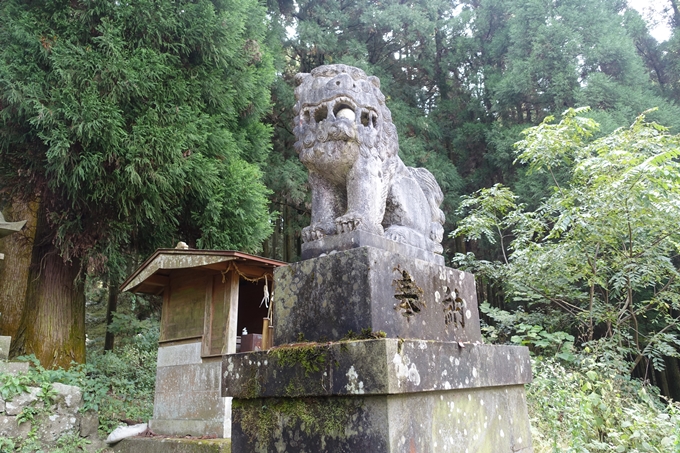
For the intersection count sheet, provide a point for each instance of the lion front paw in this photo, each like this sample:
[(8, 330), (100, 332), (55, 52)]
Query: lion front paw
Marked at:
[(353, 222), (312, 233)]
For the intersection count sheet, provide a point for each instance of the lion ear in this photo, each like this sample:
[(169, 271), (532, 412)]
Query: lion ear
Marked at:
[(300, 77), (375, 81)]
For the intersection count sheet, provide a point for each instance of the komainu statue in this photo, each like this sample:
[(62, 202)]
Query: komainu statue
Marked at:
[(345, 137)]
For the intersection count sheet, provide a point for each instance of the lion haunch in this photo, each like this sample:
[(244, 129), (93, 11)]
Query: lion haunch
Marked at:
[(346, 139)]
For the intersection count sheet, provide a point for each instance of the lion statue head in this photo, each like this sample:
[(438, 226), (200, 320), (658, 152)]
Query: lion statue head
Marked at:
[(341, 112)]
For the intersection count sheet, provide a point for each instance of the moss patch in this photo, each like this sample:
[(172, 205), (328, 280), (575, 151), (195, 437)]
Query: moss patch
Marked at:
[(261, 419), (312, 357)]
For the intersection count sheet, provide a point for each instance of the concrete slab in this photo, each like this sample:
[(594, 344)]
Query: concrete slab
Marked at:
[(188, 398), (179, 354), (170, 445)]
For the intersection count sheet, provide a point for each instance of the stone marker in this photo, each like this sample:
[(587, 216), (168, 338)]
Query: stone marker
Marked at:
[(5, 342), (422, 381)]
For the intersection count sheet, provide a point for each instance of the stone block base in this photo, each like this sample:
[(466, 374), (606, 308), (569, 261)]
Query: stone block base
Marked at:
[(326, 298), (476, 420), (188, 399), (382, 396)]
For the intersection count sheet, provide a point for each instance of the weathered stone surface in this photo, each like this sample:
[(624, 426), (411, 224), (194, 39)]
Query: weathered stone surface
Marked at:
[(346, 138), (20, 401), (182, 428), (382, 395), (188, 399), (179, 354), (13, 367), (89, 424), (61, 418), (489, 420), (5, 342), (9, 427), (157, 445), (51, 427), (373, 367), (339, 242), (365, 287), (69, 398)]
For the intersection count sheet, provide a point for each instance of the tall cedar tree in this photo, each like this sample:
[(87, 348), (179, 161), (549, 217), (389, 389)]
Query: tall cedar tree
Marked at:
[(464, 78), (132, 125)]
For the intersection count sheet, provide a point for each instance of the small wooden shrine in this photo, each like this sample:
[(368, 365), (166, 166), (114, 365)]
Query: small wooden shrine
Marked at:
[(215, 302)]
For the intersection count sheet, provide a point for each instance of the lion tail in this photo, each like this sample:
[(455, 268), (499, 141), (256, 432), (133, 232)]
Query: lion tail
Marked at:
[(435, 196)]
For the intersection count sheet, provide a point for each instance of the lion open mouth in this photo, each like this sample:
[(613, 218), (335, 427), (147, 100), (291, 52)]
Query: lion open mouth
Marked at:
[(339, 109)]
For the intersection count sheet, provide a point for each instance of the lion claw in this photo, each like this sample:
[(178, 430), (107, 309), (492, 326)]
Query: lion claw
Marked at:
[(310, 234), (347, 224)]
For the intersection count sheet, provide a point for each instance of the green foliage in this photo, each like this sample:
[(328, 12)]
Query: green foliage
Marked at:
[(601, 248), (71, 443), (589, 406), (543, 338), (7, 445), (137, 125), (12, 385), (117, 385), (28, 414), (120, 385)]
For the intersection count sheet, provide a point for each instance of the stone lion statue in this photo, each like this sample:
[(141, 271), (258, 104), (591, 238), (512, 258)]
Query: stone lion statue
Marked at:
[(346, 139)]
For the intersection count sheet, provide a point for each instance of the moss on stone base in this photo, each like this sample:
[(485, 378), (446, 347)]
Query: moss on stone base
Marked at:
[(260, 419)]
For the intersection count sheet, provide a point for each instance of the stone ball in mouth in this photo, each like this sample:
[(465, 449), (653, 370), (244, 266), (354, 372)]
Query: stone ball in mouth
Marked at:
[(346, 113)]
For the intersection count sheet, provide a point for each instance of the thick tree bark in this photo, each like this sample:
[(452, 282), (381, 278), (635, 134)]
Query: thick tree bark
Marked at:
[(14, 268), (53, 321)]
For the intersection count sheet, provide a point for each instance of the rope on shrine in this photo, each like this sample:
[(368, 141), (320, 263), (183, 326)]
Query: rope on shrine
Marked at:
[(232, 266), (268, 302)]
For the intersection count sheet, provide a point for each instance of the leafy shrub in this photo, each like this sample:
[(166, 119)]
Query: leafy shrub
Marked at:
[(117, 385), (589, 406)]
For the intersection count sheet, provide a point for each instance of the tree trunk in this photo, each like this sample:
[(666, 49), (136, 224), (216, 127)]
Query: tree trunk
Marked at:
[(663, 380), (111, 306), (673, 373), (14, 268), (53, 321)]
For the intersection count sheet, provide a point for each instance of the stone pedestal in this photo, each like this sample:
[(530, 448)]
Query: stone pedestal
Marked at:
[(385, 395), (425, 382), (325, 298)]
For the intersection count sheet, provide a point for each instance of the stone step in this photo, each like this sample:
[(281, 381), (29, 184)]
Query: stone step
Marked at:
[(172, 445)]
